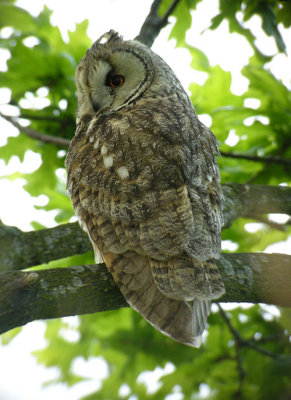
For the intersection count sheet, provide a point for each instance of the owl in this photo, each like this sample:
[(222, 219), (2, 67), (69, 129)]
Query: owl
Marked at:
[(144, 182)]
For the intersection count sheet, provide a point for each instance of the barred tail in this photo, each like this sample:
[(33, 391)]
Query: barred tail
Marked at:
[(174, 318)]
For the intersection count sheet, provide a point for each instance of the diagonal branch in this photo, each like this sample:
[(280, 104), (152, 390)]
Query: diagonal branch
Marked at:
[(35, 134), (153, 23), (241, 342), (272, 224)]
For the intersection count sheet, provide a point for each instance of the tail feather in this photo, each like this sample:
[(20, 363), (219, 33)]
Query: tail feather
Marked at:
[(174, 318), (201, 310)]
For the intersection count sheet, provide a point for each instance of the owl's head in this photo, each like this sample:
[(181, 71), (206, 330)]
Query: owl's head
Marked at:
[(115, 73), (112, 74)]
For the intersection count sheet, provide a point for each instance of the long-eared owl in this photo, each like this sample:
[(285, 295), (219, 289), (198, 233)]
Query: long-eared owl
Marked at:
[(144, 182)]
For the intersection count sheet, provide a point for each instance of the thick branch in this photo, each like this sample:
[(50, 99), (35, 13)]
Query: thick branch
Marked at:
[(21, 250), (54, 293), (35, 134), (253, 200)]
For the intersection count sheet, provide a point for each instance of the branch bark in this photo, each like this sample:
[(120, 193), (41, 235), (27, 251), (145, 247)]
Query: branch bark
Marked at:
[(55, 293), (153, 23), (20, 250), (252, 200), (43, 137)]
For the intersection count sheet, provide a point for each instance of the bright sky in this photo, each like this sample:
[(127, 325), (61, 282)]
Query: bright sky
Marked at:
[(221, 47)]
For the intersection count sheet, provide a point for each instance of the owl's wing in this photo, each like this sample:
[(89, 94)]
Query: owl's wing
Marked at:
[(205, 195)]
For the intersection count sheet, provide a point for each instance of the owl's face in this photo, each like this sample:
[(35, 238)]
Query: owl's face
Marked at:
[(112, 74)]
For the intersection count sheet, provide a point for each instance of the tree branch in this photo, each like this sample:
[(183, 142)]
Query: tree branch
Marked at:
[(270, 160), (256, 278), (20, 250), (153, 23), (250, 201), (35, 134), (272, 224), (55, 293), (49, 118), (241, 342)]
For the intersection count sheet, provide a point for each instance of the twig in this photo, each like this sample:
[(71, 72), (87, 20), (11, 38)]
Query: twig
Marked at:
[(271, 224), (35, 134), (41, 118), (153, 23), (273, 160), (241, 372), (246, 343)]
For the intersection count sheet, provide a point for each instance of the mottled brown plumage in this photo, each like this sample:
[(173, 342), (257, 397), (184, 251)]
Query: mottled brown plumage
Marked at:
[(144, 183)]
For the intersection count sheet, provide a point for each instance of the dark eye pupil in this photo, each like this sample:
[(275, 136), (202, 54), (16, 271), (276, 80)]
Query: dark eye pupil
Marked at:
[(116, 81)]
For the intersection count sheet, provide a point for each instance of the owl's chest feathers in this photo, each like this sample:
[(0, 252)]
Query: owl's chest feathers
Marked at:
[(124, 172)]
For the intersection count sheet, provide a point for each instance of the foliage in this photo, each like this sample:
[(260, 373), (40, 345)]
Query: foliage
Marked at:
[(226, 365)]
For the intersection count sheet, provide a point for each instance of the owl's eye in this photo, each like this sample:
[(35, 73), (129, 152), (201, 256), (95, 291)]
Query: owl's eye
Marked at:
[(115, 81)]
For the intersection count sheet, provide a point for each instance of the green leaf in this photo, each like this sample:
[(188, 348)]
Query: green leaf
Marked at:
[(182, 24), (16, 17), (270, 25), (199, 59), (7, 337), (20, 144), (266, 87), (284, 13), (79, 41), (215, 92), (183, 18)]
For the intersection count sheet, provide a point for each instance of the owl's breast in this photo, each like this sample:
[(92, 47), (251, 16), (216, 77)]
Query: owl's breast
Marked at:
[(126, 173), (118, 156)]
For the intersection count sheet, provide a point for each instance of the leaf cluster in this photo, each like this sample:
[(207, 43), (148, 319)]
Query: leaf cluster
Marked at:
[(40, 77)]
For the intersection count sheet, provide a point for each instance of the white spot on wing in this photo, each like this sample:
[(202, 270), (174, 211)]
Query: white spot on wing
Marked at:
[(96, 144), (108, 160), (104, 150), (209, 177), (90, 126), (122, 172)]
